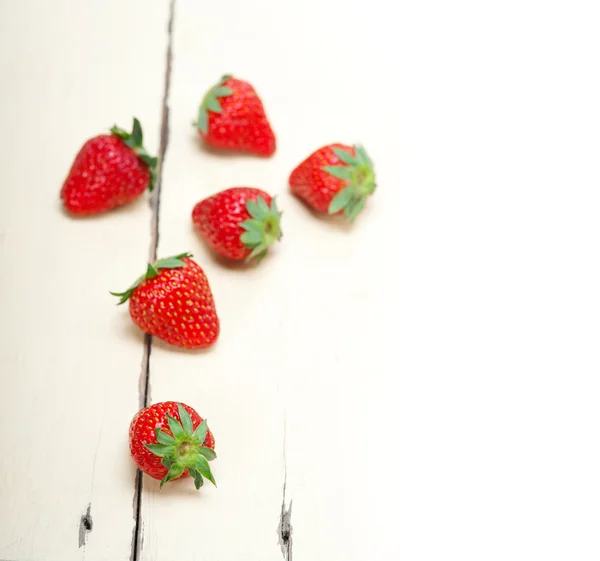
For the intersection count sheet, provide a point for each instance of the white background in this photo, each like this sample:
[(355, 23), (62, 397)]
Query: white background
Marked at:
[(426, 382)]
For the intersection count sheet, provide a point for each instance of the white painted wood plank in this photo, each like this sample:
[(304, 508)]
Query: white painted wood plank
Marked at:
[(240, 518), (432, 369), (70, 360)]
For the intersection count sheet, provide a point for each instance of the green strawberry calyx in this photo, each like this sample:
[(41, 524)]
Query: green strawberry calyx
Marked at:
[(262, 229), (357, 171), (153, 271), (184, 449), (211, 103), (134, 140)]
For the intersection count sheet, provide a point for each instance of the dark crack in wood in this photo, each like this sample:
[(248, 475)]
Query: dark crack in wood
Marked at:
[(144, 386), (86, 525), (284, 530), (164, 137), (137, 510), (285, 527)]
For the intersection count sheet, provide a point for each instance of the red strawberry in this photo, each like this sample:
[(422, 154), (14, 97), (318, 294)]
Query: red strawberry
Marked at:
[(336, 178), (173, 302), (238, 223), (110, 170), (169, 441), (232, 117)]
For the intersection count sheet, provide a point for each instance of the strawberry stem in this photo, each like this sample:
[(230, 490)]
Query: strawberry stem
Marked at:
[(134, 140), (184, 449), (152, 271), (211, 103), (262, 229), (357, 171)]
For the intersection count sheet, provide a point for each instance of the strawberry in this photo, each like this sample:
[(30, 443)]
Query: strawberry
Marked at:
[(336, 178), (173, 302), (169, 441), (238, 223), (110, 170), (232, 117)]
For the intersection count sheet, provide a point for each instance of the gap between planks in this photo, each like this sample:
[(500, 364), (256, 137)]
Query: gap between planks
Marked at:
[(144, 385)]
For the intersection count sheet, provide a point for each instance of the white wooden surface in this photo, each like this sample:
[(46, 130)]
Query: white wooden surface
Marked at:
[(423, 385), (70, 364)]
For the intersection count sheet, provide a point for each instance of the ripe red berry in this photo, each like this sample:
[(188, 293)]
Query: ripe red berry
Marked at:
[(232, 117), (336, 178), (173, 301), (110, 170), (169, 440), (238, 223)]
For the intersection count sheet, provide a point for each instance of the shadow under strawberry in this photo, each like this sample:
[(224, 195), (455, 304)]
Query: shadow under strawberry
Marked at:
[(333, 221), (110, 214), (222, 152)]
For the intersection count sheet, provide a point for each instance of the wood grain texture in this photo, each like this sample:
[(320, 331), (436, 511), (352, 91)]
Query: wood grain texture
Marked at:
[(392, 370), (284, 387), (420, 386), (70, 359)]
